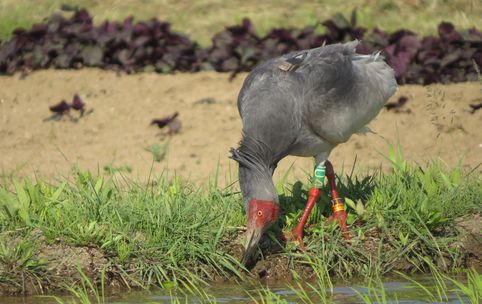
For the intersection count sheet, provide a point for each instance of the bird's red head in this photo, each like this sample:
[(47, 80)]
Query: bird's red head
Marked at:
[(261, 216)]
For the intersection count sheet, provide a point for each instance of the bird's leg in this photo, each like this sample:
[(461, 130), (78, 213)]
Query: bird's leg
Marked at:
[(339, 213), (313, 196)]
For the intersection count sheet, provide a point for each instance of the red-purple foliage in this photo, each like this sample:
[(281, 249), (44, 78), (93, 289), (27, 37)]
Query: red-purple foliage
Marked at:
[(77, 103), (151, 45), (60, 108)]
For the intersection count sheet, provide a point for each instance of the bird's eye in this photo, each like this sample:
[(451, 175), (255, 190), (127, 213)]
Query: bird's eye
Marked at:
[(260, 213)]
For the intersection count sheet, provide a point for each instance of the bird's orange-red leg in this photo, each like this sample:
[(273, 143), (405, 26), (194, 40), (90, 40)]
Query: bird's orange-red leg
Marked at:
[(297, 233), (339, 213)]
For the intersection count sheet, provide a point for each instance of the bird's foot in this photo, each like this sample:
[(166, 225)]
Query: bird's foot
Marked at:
[(339, 217), (296, 235)]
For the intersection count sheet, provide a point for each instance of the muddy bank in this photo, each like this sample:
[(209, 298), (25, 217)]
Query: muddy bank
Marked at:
[(273, 263), (51, 266)]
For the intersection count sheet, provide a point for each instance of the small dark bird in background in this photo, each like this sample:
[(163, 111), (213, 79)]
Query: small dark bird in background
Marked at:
[(61, 108), (162, 122), (397, 106), (172, 122)]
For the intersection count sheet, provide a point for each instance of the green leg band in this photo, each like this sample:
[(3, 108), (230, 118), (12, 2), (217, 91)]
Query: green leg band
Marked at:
[(319, 177)]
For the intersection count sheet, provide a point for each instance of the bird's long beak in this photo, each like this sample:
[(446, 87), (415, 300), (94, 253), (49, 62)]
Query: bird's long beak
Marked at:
[(253, 236)]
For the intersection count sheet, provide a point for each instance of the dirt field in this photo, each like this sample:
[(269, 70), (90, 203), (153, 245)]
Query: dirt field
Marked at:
[(436, 124)]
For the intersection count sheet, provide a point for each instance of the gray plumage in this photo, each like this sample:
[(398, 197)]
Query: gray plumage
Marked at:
[(305, 103)]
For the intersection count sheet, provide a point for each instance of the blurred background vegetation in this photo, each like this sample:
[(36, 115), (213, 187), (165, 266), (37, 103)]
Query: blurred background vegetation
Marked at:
[(201, 19)]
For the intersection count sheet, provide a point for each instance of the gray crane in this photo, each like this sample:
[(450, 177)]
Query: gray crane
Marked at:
[(305, 104)]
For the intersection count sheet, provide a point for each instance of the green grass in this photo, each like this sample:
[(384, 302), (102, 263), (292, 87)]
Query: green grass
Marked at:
[(169, 232), (410, 212), (158, 228), (87, 292), (201, 19)]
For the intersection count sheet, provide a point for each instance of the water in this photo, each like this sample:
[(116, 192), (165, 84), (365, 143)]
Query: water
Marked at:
[(402, 291)]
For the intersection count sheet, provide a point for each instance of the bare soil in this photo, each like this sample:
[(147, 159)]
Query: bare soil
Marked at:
[(470, 231), (57, 266), (435, 123)]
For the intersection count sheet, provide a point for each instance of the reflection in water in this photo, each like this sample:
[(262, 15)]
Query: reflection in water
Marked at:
[(395, 291)]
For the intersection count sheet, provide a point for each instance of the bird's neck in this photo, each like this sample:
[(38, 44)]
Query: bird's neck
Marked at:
[(257, 185), (256, 166)]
